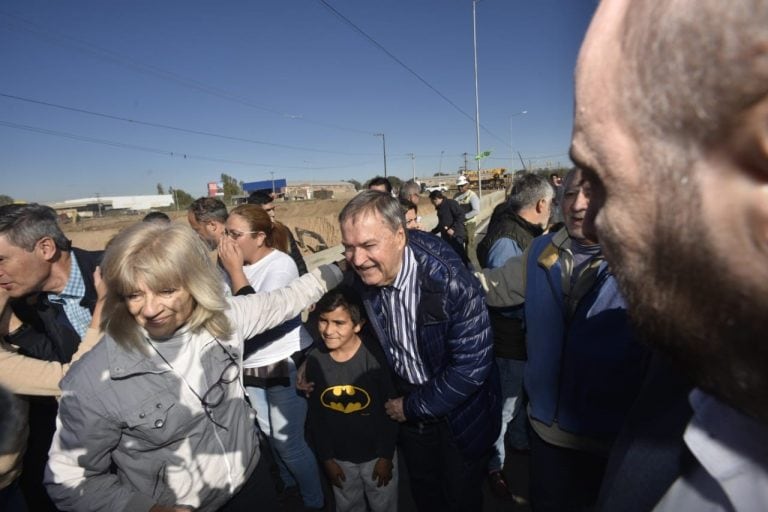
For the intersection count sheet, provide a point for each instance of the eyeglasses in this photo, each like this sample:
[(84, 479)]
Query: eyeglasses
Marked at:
[(216, 393), (234, 235)]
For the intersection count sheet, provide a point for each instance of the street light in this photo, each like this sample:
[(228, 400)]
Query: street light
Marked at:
[(511, 148), (477, 100), (384, 146)]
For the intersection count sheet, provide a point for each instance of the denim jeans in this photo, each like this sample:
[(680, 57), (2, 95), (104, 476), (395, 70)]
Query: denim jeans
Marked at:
[(281, 414), (511, 376)]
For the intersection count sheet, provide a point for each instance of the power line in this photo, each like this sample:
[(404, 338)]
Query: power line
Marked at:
[(175, 128), (157, 72), (165, 152), (405, 66)]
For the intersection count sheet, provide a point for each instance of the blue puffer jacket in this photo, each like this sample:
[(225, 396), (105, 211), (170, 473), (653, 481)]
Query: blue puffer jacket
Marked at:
[(455, 344)]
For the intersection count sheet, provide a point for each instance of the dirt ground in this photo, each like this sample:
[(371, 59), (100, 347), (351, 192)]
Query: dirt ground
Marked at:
[(318, 216)]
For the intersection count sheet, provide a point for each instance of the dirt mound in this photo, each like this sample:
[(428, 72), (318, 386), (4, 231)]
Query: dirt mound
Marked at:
[(318, 216)]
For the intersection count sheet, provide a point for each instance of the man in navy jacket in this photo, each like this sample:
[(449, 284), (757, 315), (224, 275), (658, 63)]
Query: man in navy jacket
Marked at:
[(48, 286), (430, 317)]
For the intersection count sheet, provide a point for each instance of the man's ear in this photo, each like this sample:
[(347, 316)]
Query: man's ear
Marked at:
[(46, 247), (541, 204), (359, 327)]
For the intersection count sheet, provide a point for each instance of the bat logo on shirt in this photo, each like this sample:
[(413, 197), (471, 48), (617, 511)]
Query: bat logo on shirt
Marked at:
[(346, 398)]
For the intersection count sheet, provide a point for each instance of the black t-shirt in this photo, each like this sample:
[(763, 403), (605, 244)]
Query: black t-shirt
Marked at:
[(346, 415)]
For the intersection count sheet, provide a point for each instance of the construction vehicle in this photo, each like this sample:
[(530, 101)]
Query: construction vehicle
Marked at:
[(492, 179)]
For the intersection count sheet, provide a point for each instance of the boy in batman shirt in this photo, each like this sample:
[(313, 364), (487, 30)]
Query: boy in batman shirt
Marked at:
[(353, 436)]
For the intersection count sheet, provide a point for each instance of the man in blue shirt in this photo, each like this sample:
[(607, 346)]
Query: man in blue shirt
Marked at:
[(514, 224), (584, 366), (48, 286)]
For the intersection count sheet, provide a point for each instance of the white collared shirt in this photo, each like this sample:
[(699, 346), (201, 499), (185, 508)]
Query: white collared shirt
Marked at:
[(732, 451)]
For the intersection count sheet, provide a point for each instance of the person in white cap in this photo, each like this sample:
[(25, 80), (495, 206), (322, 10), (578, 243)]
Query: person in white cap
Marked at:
[(470, 203)]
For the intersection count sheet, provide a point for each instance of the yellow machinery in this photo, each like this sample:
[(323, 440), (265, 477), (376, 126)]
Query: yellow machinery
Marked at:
[(493, 179)]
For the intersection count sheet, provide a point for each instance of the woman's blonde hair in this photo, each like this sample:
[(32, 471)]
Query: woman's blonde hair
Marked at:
[(276, 234), (163, 257)]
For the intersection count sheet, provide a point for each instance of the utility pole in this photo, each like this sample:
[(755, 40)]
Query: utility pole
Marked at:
[(477, 101), (384, 146), (273, 182), (465, 162), (413, 164), (440, 171)]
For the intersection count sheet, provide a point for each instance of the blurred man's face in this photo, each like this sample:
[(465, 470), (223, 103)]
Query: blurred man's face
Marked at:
[(684, 231), (270, 209), (373, 249), (576, 199), (209, 231), (23, 272), (411, 219)]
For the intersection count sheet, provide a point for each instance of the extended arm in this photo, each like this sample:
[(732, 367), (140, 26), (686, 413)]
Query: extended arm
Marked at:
[(26, 375), (505, 286)]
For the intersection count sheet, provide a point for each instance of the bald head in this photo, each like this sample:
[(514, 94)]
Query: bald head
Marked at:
[(671, 129)]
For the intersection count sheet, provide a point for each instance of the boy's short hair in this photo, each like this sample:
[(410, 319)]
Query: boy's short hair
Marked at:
[(345, 297)]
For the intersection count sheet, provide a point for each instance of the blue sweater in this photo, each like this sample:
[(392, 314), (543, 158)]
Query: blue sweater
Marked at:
[(584, 369)]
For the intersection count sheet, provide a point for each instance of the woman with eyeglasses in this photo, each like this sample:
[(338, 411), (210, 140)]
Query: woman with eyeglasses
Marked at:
[(155, 417), (257, 255)]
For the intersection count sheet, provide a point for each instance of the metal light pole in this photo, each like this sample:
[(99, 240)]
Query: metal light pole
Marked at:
[(511, 148), (477, 100), (413, 164), (441, 162), (273, 182), (384, 146)]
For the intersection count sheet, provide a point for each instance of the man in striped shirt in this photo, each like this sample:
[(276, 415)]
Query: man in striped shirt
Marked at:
[(429, 316)]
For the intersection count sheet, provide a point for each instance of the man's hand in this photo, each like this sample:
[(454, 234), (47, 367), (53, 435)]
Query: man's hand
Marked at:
[(450, 231), (301, 380), (334, 472), (394, 408), (382, 472)]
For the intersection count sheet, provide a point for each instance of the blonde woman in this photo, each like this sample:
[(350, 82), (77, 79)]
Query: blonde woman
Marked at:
[(269, 368), (160, 399)]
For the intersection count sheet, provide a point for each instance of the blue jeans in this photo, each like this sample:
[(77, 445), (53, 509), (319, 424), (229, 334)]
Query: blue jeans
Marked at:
[(511, 376), (281, 414)]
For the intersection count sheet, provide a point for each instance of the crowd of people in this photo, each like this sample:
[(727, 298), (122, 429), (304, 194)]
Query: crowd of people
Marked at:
[(614, 328)]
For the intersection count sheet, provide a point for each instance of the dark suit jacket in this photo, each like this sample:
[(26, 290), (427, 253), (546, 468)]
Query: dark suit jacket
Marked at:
[(47, 333), (649, 453)]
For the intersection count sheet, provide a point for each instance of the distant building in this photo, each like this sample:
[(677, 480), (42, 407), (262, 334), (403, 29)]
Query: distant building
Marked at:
[(321, 189), (89, 206)]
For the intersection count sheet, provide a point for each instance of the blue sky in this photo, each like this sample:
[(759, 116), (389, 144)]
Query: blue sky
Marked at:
[(280, 73)]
